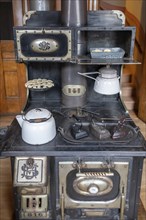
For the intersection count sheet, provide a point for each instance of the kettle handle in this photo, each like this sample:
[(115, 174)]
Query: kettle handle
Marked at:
[(37, 120), (88, 73)]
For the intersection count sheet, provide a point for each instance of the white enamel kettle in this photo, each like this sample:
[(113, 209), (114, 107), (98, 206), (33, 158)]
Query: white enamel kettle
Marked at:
[(107, 81), (38, 126)]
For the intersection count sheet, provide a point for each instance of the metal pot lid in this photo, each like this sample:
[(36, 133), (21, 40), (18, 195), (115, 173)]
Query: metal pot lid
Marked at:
[(39, 114), (108, 72)]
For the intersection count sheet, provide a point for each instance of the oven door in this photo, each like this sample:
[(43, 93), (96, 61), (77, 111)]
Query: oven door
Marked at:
[(92, 187)]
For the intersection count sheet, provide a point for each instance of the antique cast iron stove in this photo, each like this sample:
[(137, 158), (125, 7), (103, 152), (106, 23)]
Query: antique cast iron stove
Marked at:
[(91, 165)]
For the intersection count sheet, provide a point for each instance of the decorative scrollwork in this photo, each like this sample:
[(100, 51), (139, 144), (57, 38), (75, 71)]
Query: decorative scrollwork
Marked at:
[(44, 45)]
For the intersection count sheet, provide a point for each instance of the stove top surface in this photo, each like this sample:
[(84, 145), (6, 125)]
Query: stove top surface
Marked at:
[(99, 129)]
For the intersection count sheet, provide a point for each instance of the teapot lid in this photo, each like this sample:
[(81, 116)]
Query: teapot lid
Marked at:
[(108, 72), (38, 113)]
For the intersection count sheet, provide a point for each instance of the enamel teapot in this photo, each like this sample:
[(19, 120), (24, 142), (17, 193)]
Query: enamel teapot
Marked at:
[(38, 126), (107, 81)]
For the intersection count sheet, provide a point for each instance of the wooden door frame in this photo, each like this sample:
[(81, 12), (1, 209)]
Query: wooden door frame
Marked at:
[(142, 93), (17, 12), (1, 80)]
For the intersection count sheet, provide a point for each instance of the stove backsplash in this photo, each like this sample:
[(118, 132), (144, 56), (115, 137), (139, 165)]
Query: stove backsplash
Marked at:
[(57, 45)]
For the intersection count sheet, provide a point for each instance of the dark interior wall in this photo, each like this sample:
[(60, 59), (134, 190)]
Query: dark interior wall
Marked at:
[(6, 20)]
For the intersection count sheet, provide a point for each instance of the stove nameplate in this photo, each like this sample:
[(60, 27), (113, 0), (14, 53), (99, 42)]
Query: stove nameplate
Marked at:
[(30, 171)]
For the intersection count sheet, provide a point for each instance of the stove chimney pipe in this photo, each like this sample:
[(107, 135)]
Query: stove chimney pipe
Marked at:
[(74, 12), (42, 5)]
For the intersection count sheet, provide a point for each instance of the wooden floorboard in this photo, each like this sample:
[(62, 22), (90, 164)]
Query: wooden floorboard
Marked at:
[(6, 196)]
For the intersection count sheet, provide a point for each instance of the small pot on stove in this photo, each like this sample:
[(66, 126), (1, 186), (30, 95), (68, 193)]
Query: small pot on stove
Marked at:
[(107, 81), (38, 126)]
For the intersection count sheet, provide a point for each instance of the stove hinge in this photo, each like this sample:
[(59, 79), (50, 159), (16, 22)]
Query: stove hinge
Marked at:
[(122, 208), (62, 204)]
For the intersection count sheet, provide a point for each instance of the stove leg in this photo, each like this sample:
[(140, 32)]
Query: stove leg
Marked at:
[(122, 204)]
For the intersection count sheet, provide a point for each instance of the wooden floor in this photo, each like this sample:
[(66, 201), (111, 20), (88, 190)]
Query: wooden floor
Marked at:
[(6, 198)]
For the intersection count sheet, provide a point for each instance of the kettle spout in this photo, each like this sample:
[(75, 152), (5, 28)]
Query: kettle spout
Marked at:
[(19, 119)]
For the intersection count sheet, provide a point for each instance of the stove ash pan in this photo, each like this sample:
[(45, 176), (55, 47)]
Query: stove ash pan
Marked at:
[(92, 190)]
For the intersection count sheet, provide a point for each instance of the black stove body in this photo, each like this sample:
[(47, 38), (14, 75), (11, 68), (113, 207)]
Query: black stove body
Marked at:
[(92, 168)]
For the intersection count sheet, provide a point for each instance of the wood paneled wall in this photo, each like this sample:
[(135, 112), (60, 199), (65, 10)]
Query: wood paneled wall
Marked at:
[(12, 80), (12, 74), (17, 12)]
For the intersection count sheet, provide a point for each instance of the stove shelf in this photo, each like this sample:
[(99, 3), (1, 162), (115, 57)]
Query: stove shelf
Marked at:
[(86, 60)]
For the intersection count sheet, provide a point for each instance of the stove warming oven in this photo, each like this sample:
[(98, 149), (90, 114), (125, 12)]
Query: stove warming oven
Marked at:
[(75, 151)]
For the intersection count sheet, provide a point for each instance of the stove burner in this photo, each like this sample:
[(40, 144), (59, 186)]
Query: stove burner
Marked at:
[(76, 113), (100, 114), (110, 113)]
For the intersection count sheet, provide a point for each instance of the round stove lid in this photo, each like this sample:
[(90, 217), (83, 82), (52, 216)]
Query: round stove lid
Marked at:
[(38, 113)]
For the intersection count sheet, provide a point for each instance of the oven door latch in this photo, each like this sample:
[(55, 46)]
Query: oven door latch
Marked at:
[(80, 165), (94, 174)]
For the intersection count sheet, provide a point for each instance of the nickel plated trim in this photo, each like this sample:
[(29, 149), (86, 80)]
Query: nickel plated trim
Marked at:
[(27, 16), (102, 185), (121, 167), (120, 15), (21, 57), (42, 170)]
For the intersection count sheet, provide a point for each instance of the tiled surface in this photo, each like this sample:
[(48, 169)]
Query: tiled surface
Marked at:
[(6, 201)]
